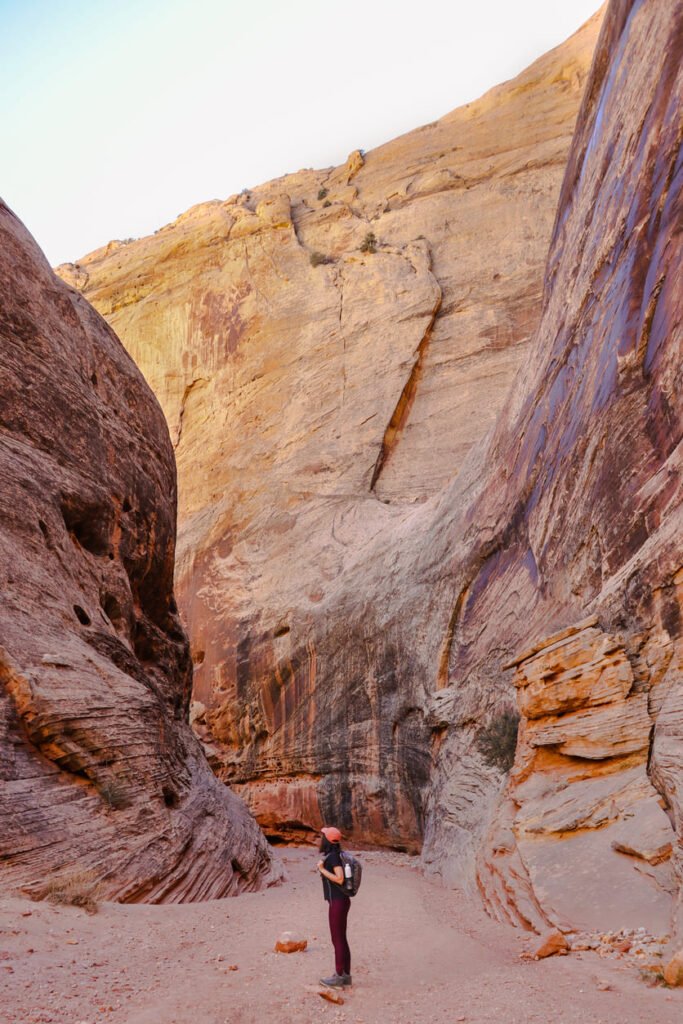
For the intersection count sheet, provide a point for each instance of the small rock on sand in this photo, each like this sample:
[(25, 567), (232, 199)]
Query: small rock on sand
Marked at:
[(289, 942), (552, 942), (331, 996)]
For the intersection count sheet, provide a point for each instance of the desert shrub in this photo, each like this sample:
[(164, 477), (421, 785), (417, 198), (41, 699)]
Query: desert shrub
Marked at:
[(322, 193), (497, 741), (78, 889), (317, 259), (369, 243), (114, 795), (653, 976), (327, 203)]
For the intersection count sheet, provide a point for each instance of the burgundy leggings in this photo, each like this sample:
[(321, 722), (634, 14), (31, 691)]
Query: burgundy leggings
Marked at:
[(339, 911)]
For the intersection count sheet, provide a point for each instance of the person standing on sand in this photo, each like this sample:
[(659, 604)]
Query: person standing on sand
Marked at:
[(332, 870)]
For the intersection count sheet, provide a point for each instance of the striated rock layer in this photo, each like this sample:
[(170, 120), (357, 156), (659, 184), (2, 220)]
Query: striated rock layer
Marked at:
[(586, 517), (356, 645), (101, 776), (583, 837), (328, 349)]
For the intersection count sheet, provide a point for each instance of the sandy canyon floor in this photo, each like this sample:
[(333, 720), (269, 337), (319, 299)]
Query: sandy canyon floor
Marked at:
[(420, 954)]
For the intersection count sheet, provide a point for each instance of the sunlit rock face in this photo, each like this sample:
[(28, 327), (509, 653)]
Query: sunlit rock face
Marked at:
[(101, 776), (384, 543), (329, 350), (584, 516)]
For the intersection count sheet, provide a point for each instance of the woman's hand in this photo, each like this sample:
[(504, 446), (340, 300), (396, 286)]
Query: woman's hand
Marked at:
[(321, 864)]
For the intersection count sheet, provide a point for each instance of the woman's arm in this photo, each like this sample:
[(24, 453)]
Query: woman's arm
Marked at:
[(337, 877)]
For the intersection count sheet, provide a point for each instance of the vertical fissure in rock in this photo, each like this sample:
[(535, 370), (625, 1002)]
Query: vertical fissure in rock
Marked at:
[(445, 658), (401, 413), (339, 282), (183, 402)]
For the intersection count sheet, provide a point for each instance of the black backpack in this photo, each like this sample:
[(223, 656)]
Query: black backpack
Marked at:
[(353, 872)]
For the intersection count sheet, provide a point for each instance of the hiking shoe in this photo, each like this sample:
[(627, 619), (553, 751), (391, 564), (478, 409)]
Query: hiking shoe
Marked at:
[(336, 981)]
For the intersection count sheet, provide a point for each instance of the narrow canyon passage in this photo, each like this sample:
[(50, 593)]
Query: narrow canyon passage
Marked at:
[(420, 954)]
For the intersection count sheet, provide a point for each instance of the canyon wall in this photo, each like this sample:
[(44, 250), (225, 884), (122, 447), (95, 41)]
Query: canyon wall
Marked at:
[(583, 517), (388, 538), (329, 350), (102, 780)]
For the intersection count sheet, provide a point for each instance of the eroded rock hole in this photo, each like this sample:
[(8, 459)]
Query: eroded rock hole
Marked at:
[(112, 609), (89, 527), (281, 631), (143, 643), (171, 798), (126, 507), (43, 528), (81, 615)]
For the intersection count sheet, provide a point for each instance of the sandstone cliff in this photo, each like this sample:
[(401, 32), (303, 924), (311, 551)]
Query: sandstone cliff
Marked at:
[(585, 516), (328, 349), (101, 776), (360, 630)]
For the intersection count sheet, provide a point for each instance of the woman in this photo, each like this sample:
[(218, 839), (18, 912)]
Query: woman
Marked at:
[(332, 870)]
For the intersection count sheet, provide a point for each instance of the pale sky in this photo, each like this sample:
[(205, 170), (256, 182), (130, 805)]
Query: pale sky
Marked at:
[(117, 115)]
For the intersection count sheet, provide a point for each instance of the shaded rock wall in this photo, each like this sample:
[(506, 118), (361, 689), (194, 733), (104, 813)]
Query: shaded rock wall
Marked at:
[(592, 457), (100, 772), (317, 392)]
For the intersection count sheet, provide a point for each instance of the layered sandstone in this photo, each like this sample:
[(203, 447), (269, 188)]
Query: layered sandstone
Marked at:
[(583, 837), (319, 385), (102, 778), (356, 642), (589, 519)]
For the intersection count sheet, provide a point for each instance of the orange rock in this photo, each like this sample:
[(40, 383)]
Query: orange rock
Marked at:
[(673, 972), (552, 943), (288, 942), (331, 996)]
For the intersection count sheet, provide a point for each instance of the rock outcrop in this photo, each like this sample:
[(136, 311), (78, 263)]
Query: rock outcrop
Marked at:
[(328, 349), (101, 776), (589, 519), (583, 836)]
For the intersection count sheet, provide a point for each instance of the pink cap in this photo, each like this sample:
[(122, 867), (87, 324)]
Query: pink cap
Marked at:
[(332, 833)]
